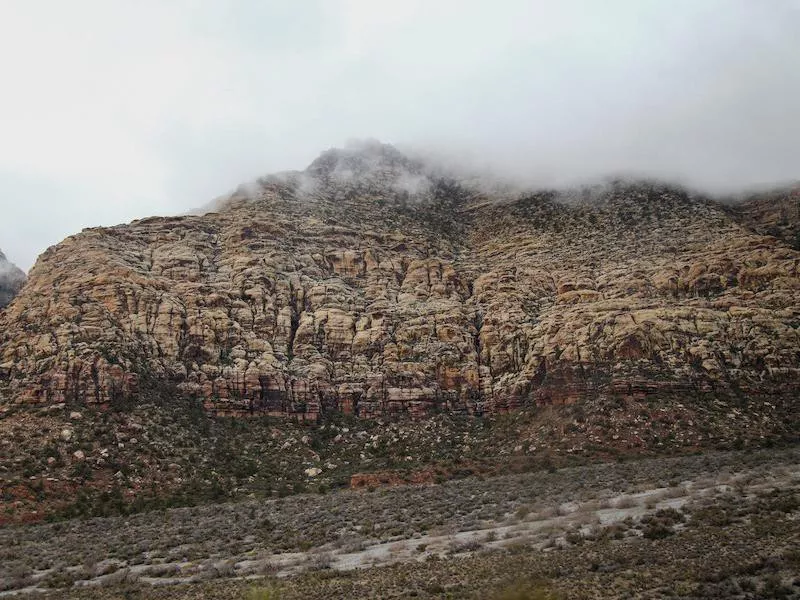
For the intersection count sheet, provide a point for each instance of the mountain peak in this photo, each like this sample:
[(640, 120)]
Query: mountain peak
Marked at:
[(371, 166), (362, 158)]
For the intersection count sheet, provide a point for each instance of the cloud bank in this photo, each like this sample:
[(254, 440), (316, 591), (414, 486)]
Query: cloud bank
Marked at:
[(113, 111)]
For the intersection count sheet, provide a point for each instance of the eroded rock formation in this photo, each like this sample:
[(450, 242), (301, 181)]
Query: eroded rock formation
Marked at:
[(368, 285)]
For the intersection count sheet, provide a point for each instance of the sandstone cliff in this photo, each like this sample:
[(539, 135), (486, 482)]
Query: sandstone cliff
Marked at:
[(11, 280), (368, 284)]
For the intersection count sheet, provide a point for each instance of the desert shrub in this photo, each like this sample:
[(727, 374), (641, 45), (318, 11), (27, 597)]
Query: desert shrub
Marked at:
[(522, 512), (218, 570), (60, 578), (775, 588), (574, 537), (319, 561), (435, 589), (661, 524), (263, 593), (466, 546), (526, 591), (712, 515), (625, 502), (656, 530), (670, 515), (781, 501)]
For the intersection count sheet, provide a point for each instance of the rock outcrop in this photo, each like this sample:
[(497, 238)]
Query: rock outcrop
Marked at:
[(11, 280), (775, 213), (369, 285)]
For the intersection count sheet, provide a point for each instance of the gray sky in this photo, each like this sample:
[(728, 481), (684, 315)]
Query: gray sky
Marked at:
[(111, 111)]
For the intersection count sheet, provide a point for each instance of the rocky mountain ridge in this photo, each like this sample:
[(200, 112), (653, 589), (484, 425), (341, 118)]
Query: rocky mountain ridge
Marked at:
[(328, 304), (11, 280), (369, 285)]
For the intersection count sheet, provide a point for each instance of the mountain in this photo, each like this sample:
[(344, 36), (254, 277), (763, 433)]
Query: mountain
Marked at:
[(364, 285), (636, 316), (11, 280)]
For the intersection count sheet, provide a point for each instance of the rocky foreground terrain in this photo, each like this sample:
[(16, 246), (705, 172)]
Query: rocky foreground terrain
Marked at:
[(375, 320), (720, 525), (11, 280)]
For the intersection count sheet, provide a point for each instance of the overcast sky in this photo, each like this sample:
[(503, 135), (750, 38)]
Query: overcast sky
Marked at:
[(114, 110)]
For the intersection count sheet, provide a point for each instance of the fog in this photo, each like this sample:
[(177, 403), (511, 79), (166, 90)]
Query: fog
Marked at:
[(113, 111), (7, 270)]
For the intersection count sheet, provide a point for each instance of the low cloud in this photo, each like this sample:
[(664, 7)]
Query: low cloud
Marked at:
[(117, 111), (10, 274)]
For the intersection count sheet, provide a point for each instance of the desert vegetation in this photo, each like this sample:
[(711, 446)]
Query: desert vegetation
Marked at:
[(721, 524), (78, 461)]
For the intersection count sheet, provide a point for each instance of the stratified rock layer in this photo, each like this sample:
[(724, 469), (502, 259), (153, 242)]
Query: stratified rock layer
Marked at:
[(369, 286), (11, 280)]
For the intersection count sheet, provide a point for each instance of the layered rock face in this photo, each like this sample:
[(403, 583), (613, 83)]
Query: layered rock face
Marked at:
[(11, 280), (369, 285)]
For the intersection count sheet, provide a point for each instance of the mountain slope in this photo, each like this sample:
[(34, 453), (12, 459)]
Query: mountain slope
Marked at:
[(623, 319), (347, 288)]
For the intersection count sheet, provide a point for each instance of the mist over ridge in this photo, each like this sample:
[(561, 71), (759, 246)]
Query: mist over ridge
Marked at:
[(372, 166), (703, 93)]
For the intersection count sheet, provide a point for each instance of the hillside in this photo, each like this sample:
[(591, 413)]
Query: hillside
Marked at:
[(630, 317)]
